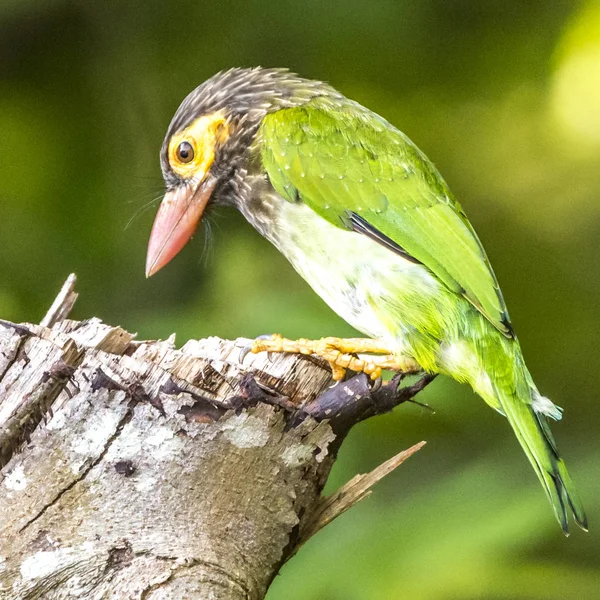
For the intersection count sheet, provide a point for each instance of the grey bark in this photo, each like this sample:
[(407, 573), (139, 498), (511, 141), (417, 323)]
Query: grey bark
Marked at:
[(139, 470)]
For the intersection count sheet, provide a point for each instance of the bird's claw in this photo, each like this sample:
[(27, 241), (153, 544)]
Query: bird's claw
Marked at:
[(362, 355), (376, 384), (251, 348)]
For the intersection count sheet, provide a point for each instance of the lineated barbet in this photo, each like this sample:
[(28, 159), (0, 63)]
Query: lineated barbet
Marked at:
[(368, 221)]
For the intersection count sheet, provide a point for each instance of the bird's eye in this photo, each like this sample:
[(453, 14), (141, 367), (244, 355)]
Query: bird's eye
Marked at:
[(185, 152)]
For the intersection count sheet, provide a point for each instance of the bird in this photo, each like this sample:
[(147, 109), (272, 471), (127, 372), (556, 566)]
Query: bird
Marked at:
[(368, 221)]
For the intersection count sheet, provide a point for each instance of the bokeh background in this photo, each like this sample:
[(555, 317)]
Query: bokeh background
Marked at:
[(503, 95)]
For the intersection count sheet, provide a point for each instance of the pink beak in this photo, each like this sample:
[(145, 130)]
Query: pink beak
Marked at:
[(176, 221)]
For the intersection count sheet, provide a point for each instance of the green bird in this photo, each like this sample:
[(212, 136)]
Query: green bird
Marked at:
[(369, 222)]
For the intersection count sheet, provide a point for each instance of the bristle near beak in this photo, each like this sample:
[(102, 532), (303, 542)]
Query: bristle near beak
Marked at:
[(176, 221)]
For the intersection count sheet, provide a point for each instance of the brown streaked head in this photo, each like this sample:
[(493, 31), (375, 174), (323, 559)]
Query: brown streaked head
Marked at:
[(206, 148)]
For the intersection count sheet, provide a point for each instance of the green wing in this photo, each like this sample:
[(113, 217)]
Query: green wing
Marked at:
[(357, 171)]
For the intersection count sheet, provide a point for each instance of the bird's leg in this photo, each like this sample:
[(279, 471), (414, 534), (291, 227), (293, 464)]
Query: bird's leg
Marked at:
[(363, 355)]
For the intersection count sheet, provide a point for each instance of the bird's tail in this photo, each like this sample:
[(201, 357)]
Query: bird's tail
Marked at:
[(528, 418)]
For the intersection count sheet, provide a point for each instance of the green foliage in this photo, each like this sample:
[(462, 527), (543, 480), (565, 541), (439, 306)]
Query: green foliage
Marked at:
[(498, 96)]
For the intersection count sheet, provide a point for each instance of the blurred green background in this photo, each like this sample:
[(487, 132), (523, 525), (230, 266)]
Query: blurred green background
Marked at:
[(503, 95)]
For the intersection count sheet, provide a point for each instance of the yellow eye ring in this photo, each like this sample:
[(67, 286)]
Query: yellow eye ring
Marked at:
[(185, 152), (192, 151)]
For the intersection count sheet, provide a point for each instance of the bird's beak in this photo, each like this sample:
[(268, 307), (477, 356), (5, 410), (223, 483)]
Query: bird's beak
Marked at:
[(176, 221)]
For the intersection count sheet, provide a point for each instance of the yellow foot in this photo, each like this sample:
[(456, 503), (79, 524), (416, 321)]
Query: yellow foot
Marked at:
[(363, 355)]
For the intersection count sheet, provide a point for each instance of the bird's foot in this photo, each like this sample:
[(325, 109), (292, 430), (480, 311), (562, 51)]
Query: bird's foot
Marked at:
[(363, 355)]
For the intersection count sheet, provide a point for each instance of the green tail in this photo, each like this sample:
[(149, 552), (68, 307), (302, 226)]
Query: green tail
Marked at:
[(531, 428)]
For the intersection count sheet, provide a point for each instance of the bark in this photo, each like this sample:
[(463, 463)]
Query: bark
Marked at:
[(139, 470)]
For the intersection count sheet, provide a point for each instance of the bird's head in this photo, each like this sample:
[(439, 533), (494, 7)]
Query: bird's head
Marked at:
[(205, 153)]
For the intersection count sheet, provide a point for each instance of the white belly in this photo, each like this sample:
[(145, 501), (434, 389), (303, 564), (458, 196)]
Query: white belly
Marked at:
[(354, 275)]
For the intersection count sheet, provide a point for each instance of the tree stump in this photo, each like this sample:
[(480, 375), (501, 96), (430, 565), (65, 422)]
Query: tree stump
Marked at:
[(138, 470)]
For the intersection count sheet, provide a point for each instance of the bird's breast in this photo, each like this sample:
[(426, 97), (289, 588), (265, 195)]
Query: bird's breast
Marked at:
[(360, 280)]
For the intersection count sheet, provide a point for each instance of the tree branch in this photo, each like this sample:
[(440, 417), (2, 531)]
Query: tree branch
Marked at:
[(139, 470)]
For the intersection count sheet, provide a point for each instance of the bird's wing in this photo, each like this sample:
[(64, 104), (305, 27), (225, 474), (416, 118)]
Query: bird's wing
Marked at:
[(357, 171)]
